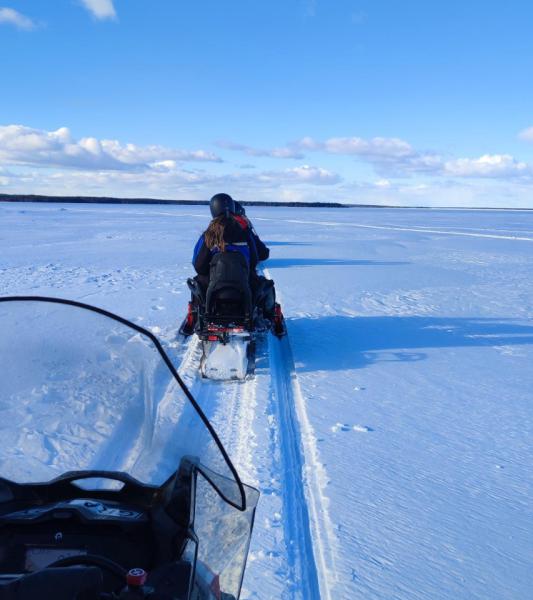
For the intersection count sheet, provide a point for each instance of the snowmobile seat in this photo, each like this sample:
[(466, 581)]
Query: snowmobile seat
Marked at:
[(229, 294)]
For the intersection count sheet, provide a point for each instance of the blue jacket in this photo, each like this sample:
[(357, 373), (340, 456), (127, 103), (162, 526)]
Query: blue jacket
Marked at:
[(237, 239)]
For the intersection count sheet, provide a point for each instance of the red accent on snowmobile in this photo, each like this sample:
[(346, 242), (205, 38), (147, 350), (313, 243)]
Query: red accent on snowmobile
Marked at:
[(212, 328), (136, 577), (278, 322), (187, 327), (221, 333), (190, 315), (215, 587)]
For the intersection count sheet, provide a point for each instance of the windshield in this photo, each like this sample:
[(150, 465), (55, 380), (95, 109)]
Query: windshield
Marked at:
[(82, 389)]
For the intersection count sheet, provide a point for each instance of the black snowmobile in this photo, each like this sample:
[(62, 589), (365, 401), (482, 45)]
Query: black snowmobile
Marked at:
[(228, 316), (113, 483)]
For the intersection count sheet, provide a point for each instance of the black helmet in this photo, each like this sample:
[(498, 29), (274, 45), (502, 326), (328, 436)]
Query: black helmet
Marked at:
[(239, 209), (221, 204)]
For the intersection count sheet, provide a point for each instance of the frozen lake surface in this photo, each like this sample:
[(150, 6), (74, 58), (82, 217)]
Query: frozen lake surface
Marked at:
[(390, 433)]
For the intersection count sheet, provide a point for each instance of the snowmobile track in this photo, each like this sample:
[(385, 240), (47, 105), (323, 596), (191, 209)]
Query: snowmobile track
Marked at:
[(233, 407), (296, 512), (520, 238), (311, 541)]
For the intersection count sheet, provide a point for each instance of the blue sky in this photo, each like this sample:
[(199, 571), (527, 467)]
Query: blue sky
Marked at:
[(347, 100)]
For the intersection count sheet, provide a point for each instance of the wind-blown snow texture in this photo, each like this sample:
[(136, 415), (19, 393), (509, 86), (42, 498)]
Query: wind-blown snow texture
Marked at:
[(390, 433)]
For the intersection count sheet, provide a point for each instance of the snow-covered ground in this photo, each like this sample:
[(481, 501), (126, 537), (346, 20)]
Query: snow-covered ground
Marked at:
[(391, 432)]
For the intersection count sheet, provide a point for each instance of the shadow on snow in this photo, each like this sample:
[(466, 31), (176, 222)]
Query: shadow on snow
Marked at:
[(341, 342), (284, 263), (288, 243)]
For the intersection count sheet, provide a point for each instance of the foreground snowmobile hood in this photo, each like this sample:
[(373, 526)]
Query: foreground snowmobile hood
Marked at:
[(84, 389), (113, 483)]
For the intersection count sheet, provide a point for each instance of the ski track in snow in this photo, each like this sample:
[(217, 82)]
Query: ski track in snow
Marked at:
[(309, 568), (301, 456), (413, 229), (132, 435)]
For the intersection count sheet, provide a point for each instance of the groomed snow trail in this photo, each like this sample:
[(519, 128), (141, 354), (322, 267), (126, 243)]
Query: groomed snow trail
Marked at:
[(278, 454)]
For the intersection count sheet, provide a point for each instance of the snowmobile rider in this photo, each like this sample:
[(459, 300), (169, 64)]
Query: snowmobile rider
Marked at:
[(231, 232), (240, 216)]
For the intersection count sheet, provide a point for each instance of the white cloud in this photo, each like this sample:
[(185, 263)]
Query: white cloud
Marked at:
[(282, 152), (395, 158), (314, 175), (488, 165), (27, 146), (164, 165), (10, 16), (375, 150), (428, 163), (54, 162), (266, 186), (382, 183), (526, 134), (301, 175), (375, 147), (168, 180), (100, 9), (304, 174), (496, 166)]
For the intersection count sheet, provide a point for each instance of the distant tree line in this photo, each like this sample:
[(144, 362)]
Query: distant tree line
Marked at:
[(109, 200)]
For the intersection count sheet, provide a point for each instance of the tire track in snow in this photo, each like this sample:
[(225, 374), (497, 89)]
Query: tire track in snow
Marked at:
[(229, 406), (311, 540), (318, 542), (492, 230), (296, 518), (308, 537), (413, 228), (135, 431)]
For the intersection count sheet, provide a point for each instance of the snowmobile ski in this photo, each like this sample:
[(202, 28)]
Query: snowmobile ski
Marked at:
[(187, 326), (279, 327)]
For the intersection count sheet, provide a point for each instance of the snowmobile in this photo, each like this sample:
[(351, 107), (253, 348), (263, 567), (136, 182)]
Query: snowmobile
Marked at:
[(113, 483), (228, 317)]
